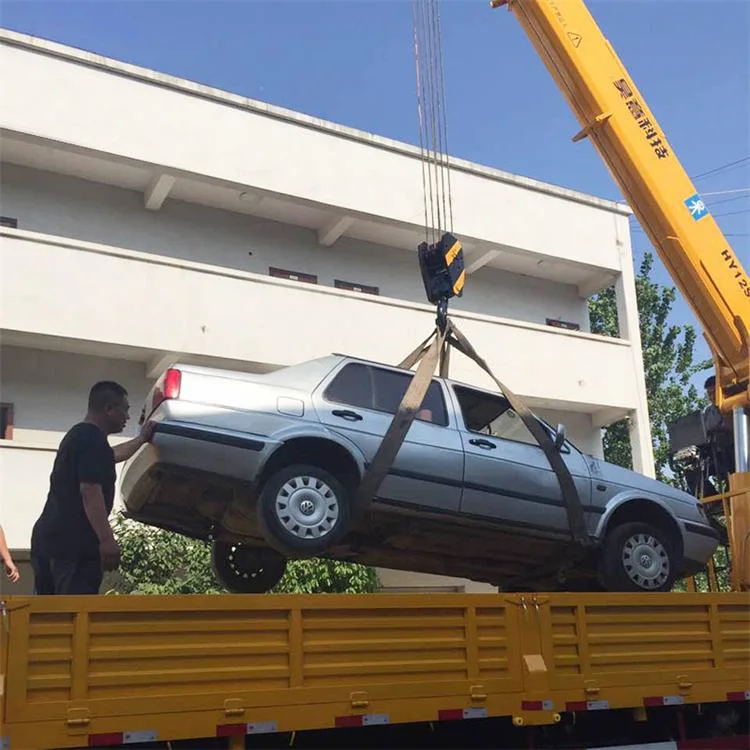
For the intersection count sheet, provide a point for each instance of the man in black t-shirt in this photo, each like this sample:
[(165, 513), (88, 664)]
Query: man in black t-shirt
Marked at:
[(72, 542)]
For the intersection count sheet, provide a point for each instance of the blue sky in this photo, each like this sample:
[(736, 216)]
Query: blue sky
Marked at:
[(351, 61)]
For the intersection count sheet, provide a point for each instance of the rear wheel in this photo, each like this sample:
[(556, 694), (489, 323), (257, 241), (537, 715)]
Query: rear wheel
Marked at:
[(246, 570), (639, 557), (303, 510)]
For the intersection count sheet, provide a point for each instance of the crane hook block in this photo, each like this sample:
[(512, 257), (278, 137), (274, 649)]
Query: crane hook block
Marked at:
[(442, 266)]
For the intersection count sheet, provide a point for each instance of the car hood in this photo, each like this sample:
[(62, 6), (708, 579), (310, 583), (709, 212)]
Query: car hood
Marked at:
[(632, 480)]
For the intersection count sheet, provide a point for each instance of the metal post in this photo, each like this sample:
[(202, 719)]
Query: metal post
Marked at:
[(739, 503), (741, 442)]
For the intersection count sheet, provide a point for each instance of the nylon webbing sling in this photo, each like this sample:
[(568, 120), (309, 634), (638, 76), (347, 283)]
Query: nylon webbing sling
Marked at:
[(402, 419), (435, 350)]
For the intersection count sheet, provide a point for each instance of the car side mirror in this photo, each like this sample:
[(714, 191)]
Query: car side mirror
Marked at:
[(560, 436)]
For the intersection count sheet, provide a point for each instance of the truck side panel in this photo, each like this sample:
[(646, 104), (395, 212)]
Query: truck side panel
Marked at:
[(184, 667)]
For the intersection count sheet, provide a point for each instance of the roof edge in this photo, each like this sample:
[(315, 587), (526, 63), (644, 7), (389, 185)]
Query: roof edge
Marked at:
[(117, 67)]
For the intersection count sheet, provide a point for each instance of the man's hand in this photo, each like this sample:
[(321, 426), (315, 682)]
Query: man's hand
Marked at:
[(12, 571), (147, 431), (109, 550)]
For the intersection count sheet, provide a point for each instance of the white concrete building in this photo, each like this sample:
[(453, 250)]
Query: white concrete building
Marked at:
[(147, 218)]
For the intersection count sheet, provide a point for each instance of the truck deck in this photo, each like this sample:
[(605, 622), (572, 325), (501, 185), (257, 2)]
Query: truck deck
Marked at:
[(112, 670)]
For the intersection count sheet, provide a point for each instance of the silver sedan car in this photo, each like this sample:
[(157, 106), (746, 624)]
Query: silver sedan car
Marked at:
[(267, 466)]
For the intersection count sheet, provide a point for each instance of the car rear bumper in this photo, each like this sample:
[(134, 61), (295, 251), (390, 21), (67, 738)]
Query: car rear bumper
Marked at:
[(197, 449)]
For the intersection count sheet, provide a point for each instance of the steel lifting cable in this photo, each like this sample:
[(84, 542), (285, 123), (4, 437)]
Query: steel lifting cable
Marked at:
[(432, 116)]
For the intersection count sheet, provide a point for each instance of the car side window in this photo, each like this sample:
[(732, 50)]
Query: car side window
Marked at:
[(352, 386), (367, 387), (390, 388), (492, 415)]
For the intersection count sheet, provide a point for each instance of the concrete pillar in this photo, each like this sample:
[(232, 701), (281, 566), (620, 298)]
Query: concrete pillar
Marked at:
[(629, 329)]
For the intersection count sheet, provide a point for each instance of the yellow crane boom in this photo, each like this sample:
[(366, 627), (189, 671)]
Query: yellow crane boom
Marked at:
[(615, 117)]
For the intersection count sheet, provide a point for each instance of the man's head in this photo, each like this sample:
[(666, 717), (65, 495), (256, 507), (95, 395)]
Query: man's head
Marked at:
[(710, 388), (108, 406)]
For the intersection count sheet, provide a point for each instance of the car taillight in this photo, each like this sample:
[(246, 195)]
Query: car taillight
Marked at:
[(168, 387), (172, 382)]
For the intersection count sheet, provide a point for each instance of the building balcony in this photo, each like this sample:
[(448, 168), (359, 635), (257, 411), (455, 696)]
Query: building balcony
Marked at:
[(98, 298), (211, 148)]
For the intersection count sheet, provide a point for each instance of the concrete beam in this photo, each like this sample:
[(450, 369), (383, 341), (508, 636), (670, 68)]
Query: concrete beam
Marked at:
[(606, 417), (481, 258), (157, 191), (158, 364), (595, 284), (333, 229), (252, 197)]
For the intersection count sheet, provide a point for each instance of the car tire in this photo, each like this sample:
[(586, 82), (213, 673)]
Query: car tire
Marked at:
[(639, 557), (303, 511), (246, 570)]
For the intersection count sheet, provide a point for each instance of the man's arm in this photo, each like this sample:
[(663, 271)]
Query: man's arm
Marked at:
[(10, 566), (96, 512), (124, 451)]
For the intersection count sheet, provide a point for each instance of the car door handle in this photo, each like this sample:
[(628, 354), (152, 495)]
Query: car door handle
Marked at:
[(482, 443), (352, 416)]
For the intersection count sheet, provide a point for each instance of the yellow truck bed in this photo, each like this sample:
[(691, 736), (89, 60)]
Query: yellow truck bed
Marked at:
[(94, 670)]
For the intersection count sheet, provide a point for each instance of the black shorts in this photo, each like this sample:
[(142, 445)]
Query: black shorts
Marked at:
[(58, 576)]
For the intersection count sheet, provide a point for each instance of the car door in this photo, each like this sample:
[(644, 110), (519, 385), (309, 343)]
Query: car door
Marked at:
[(507, 476), (358, 402)]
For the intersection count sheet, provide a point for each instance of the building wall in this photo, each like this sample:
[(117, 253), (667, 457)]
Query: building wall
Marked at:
[(53, 204)]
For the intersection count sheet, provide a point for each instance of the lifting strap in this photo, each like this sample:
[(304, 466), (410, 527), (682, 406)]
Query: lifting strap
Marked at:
[(434, 350)]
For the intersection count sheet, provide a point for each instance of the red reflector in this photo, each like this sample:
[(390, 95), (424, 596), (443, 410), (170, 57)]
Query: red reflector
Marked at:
[(576, 706), (349, 721), (450, 714), (738, 696), (230, 730), (663, 700), (105, 740), (172, 382)]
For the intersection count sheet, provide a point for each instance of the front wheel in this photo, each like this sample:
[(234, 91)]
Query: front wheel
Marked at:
[(246, 570), (303, 511), (639, 557)]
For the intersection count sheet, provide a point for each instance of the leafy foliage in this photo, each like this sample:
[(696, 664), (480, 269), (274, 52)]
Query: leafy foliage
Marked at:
[(668, 360), (327, 577), (155, 561)]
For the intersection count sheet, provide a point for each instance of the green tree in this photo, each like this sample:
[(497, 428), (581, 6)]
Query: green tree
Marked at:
[(668, 361), (155, 561)]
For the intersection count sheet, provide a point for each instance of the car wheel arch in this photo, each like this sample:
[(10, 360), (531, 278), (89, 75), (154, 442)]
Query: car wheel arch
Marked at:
[(334, 456), (633, 509)]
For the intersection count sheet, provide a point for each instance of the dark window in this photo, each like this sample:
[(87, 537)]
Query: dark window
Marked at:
[(352, 386), (382, 390), (8, 221), (557, 323), (281, 273), (6, 421), (350, 286)]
